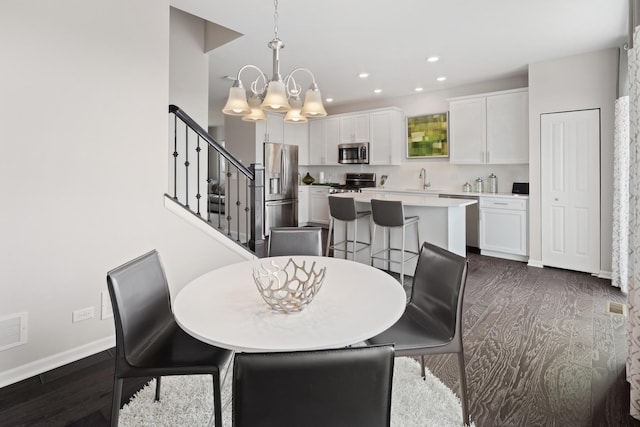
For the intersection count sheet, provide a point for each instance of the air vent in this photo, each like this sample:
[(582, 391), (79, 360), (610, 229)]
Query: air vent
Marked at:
[(13, 330), (616, 308)]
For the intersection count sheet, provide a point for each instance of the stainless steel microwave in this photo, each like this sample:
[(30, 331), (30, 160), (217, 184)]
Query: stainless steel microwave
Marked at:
[(355, 153)]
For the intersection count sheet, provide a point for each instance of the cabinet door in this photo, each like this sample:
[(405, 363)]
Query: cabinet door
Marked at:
[(275, 128), (317, 146), (468, 130), (508, 128), (303, 205), (386, 136), (298, 134), (331, 141), (503, 230), (354, 128), (319, 206)]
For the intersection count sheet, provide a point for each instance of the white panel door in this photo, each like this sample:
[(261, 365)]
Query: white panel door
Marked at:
[(570, 190)]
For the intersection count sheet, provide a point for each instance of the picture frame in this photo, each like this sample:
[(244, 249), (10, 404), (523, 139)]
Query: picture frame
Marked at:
[(428, 136)]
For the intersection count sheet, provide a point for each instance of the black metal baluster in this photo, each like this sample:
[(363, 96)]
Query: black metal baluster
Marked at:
[(198, 196), (238, 203), (186, 167), (229, 207), (175, 157), (247, 210)]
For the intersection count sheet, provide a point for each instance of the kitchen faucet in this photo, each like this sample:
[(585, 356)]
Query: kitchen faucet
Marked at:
[(423, 177)]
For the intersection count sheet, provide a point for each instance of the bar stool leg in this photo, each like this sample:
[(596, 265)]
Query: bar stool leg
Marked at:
[(329, 236), (373, 236), (355, 237)]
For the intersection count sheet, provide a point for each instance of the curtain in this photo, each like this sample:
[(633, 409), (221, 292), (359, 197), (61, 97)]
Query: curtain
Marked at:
[(633, 296), (620, 247)]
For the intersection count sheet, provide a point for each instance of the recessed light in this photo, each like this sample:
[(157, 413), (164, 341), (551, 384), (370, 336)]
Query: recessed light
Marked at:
[(377, 90), (433, 58), (419, 89), (363, 75), (441, 78), (329, 99)]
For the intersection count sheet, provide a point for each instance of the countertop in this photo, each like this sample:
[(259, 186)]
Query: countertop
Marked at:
[(437, 191), (420, 200)]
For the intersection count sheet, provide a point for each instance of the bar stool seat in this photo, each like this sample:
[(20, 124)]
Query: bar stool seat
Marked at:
[(344, 209), (389, 214)]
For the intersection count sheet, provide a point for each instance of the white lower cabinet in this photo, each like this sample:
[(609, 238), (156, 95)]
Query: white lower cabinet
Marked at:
[(303, 205), (319, 206), (504, 227)]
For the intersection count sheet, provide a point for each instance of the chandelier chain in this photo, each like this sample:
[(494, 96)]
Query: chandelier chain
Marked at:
[(275, 18)]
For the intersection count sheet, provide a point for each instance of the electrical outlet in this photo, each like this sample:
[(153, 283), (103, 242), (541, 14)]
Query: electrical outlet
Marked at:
[(106, 309), (83, 314)]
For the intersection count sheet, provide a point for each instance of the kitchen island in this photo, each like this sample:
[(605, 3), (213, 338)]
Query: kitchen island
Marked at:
[(442, 222)]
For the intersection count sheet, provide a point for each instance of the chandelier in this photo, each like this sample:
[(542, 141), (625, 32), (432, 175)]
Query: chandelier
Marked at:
[(276, 95)]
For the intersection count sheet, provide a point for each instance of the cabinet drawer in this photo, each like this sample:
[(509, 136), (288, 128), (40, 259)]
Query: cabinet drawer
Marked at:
[(503, 203)]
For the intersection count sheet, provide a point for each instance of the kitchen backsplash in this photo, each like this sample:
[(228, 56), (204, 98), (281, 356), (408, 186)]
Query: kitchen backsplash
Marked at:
[(441, 174)]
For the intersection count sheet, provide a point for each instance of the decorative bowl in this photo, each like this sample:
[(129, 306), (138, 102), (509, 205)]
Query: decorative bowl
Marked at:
[(290, 288)]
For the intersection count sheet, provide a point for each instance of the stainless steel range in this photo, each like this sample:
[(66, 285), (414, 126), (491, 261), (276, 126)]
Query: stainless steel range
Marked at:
[(353, 182)]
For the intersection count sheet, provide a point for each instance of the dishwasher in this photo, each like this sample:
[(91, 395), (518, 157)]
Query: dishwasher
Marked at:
[(472, 218)]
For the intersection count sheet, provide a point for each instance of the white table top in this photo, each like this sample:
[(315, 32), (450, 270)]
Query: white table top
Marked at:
[(409, 199), (223, 307)]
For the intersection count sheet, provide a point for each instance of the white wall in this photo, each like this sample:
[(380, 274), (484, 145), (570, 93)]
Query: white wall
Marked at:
[(440, 172), (84, 168), (574, 83)]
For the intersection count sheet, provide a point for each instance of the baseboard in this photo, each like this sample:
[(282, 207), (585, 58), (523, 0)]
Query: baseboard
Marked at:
[(522, 258), (37, 367), (535, 263), (604, 274)]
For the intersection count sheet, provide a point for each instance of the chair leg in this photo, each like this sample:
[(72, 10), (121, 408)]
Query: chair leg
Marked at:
[(422, 373), (157, 398), (217, 401), (463, 388), (115, 401), (355, 238), (373, 237), (329, 236), (346, 239)]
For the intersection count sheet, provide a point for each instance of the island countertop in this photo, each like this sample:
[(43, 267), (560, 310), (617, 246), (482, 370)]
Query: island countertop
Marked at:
[(432, 201)]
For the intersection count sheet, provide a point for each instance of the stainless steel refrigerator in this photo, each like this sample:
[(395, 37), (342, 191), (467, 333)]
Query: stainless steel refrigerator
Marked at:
[(280, 186)]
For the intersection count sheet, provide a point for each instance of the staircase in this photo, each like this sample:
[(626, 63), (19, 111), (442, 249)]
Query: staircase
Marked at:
[(210, 183)]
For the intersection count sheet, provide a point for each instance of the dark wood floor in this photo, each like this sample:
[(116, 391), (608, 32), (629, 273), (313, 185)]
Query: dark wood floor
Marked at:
[(540, 351)]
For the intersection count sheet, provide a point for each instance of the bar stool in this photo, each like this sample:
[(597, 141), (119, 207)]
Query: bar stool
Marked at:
[(344, 209), (390, 214)]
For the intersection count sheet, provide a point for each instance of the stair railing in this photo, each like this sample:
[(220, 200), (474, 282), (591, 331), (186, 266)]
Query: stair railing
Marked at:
[(233, 194)]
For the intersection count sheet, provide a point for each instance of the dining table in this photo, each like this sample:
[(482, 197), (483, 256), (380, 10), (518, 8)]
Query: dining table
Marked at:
[(223, 307)]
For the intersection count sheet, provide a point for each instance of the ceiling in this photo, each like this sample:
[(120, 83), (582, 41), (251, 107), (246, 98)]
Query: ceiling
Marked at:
[(476, 40)]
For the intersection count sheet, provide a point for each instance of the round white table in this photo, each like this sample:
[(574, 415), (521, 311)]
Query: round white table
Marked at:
[(223, 307)]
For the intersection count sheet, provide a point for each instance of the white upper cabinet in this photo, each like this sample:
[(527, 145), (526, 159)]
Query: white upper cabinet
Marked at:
[(468, 128), (274, 128), (508, 128), (493, 128), (324, 136), (354, 128), (386, 137), (298, 134)]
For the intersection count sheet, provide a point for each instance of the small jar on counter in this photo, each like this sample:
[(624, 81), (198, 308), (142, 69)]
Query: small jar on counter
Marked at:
[(479, 185)]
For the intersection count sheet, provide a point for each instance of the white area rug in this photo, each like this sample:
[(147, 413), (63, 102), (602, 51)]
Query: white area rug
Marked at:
[(187, 401)]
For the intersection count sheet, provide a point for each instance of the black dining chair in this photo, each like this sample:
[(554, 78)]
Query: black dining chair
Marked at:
[(149, 342), (341, 387), (432, 321), (295, 241)]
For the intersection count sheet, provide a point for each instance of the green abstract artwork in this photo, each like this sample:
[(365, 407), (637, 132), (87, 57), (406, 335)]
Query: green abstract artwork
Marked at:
[(427, 136)]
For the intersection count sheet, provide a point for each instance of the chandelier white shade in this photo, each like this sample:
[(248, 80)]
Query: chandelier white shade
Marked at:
[(274, 95)]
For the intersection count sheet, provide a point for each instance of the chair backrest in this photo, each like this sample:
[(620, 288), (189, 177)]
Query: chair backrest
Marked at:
[(438, 289), (295, 241), (343, 208), (141, 305), (387, 213), (342, 387)]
